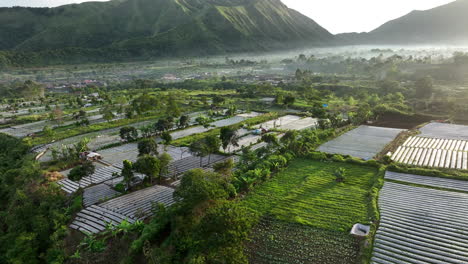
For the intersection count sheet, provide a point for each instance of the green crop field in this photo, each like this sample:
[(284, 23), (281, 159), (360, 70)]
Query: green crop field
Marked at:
[(307, 199)]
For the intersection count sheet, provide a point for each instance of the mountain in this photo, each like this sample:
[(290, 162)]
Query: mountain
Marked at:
[(447, 24), (158, 27)]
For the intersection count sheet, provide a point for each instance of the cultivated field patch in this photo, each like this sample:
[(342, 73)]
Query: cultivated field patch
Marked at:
[(421, 225), (433, 152), (307, 198), (363, 142), (279, 242), (445, 131), (428, 181), (117, 155), (130, 207)]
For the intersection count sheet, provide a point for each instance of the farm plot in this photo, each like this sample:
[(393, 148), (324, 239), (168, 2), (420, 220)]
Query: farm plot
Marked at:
[(308, 197), (99, 176), (421, 225), (279, 123), (220, 123), (363, 142), (433, 152), (34, 127), (138, 205), (117, 155), (98, 193), (130, 207), (278, 242), (428, 181), (181, 166), (445, 131)]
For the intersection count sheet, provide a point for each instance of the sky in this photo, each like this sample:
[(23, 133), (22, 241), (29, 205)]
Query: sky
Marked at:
[(337, 16)]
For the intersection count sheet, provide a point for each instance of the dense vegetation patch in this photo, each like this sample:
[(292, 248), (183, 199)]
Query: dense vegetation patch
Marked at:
[(33, 213)]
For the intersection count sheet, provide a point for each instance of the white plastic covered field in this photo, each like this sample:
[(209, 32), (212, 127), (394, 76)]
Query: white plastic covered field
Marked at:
[(289, 122), (421, 225), (363, 142), (433, 152), (130, 207)]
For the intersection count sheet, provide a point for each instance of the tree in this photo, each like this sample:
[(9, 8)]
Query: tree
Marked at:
[(231, 110), (49, 133), (79, 172), (167, 139), (213, 143), (289, 100), (270, 139), (57, 114), (172, 108), (127, 173), (424, 87), (183, 121), (218, 100), (229, 137), (224, 167), (198, 186), (165, 160), (128, 133), (164, 124), (223, 231), (199, 149), (107, 113), (149, 166), (340, 174), (203, 121), (147, 146), (363, 114)]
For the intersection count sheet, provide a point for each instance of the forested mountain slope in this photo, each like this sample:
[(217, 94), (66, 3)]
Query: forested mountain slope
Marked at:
[(133, 28)]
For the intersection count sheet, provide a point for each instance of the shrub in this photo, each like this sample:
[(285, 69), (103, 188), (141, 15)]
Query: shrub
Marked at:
[(340, 174), (338, 158), (317, 156)]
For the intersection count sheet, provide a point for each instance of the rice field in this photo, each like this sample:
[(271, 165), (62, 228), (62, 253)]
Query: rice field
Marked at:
[(363, 142), (421, 225), (433, 152)]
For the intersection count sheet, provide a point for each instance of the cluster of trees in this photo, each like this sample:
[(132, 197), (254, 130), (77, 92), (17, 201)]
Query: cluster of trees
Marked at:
[(150, 162), (204, 226), (33, 212)]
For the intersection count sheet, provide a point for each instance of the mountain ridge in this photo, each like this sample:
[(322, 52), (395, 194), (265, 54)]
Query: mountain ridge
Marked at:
[(159, 27)]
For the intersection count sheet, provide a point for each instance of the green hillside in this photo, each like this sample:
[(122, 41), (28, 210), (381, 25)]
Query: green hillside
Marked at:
[(128, 28)]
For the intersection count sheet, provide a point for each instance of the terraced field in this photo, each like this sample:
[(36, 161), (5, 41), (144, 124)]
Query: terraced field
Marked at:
[(421, 225), (99, 176), (130, 207), (363, 142), (307, 195), (433, 152)]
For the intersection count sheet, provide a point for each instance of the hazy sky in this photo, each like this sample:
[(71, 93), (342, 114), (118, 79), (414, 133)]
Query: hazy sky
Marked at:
[(335, 15)]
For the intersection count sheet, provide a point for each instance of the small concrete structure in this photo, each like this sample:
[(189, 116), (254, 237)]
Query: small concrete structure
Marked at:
[(360, 230)]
